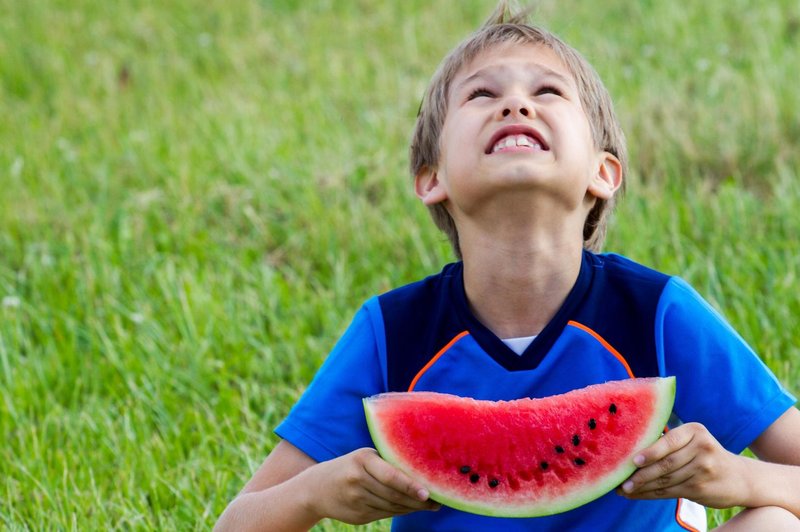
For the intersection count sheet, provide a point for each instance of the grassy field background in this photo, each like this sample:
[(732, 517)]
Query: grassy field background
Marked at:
[(196, 197)]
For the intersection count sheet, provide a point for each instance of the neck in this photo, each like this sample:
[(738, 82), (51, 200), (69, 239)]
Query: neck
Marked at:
[(515, 287)]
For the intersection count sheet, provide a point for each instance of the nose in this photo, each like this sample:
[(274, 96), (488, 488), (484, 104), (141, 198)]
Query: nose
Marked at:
[(517, 106), (522, 110)]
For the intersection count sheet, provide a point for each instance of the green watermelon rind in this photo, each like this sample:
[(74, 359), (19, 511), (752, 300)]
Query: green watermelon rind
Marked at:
[(665, 397)]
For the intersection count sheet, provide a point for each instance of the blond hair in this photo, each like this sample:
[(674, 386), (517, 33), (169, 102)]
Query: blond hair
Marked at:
[(504, 27)]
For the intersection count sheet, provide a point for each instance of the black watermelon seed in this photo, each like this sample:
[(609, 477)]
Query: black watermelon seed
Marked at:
[(474, 478), (579, 462), (559, 449), (464, 469), (544, 465), (493, 483), (592, 424), (576, 440), (612, 408)]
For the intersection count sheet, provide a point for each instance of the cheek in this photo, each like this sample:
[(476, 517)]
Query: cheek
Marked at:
[(454, 148), (583, 128)]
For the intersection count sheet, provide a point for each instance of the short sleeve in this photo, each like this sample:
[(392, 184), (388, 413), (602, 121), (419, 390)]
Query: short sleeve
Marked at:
[(721, 382), (328, 420)]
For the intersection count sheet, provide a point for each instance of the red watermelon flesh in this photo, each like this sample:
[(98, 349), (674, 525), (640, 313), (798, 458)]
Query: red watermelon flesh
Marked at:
[(521, 458)]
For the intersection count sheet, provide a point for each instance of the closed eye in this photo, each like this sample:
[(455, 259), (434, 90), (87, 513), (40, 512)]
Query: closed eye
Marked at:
[(549, 89), (480, 93)]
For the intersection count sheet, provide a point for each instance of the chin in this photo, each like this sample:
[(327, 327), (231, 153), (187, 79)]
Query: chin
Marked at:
[(521, 174)]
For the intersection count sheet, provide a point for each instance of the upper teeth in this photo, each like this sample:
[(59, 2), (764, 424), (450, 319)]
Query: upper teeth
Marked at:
[(516, 140)]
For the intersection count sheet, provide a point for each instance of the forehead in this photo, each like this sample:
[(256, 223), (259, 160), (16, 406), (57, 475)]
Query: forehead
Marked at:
[(514, 59)]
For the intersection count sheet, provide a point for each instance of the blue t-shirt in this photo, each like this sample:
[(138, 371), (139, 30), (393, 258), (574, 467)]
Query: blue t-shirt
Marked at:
[(620, 320)]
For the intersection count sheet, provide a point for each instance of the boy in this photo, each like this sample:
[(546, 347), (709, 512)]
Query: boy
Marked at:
[(519, 156)]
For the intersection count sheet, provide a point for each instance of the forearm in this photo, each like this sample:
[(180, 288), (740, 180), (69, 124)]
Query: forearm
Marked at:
[(287, 494), (770, 484), (285, 507)]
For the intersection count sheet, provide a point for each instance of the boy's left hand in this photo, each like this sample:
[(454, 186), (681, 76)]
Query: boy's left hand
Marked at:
[(688, 462)]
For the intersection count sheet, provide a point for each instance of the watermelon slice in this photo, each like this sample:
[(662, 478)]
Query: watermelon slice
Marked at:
[(521, 458)]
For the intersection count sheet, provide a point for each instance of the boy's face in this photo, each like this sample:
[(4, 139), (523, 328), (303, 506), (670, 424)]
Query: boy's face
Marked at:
[(515, 124)]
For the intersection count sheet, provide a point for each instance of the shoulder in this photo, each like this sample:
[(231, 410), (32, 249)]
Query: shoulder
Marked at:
[(429, 287), (403, 303), (619, 267), (621, 283), (621, 306), (666, 290), (417, 320)]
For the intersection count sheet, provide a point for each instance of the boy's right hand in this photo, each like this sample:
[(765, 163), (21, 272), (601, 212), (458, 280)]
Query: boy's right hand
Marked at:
[(361, 487)]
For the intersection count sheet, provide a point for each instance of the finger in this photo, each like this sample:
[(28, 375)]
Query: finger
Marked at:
[(678, 478), (669, 443), (671, 492), (662, 473), (389, 476), (373, 508), (389, 499), (391, 484), (382, 509), (387, 508), (385, 502)]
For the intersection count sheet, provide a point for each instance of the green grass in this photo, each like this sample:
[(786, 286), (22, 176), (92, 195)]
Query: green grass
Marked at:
[(196, 197)]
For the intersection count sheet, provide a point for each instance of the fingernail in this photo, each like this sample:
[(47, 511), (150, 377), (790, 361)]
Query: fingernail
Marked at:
[(638, 460), (423, 494), (627, 487)]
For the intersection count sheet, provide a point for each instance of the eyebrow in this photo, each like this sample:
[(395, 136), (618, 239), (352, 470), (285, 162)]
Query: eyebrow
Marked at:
[(540, 70)]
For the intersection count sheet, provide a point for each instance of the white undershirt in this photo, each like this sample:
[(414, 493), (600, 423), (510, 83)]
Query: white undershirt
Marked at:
[(519, 345)]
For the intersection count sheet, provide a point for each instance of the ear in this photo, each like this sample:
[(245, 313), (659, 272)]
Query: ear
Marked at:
[(428, 187), (608, 177)]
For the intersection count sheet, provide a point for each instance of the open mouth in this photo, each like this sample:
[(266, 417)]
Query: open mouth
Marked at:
[(515, 138)]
